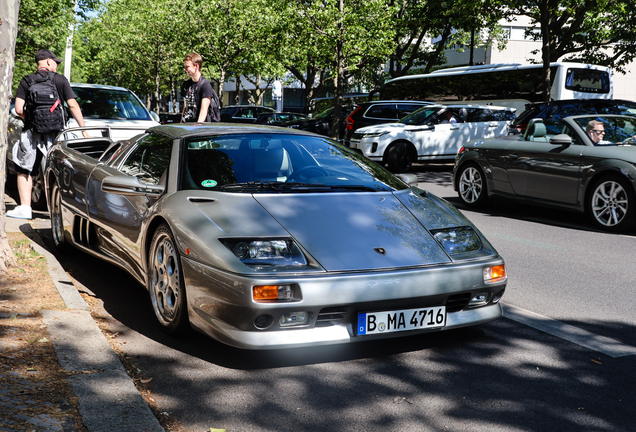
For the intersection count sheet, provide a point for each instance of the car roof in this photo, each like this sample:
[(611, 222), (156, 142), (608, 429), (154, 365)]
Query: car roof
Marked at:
[(247, 106), (570, 101), (453, 106), (181, 130), (98, 86), (397, 101)]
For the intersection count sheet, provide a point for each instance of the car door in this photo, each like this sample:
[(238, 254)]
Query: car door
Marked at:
[(120, 218), (440, 139), (541, 170)]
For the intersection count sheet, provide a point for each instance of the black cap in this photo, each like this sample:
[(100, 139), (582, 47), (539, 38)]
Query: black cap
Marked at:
[(44, 54)]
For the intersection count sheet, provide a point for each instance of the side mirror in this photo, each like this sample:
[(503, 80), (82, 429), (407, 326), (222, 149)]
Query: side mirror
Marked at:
[(408, 178), (155, 116), (561, 140), (125, 185)]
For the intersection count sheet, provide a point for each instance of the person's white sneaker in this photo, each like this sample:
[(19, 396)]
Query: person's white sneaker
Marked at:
[(20, 212)]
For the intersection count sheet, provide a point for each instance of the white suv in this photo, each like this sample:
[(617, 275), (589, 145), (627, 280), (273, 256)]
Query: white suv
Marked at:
[(432, 133), (115, 108)]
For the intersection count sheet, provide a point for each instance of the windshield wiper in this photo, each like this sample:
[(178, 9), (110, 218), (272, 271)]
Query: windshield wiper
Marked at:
[(257, 186), (252, 185)]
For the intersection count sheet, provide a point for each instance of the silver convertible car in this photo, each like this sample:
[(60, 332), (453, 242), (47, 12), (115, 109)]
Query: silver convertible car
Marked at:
[(584, 163), (266, 237)]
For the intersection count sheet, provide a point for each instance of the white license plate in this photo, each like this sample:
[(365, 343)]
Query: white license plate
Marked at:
[(401, 320)]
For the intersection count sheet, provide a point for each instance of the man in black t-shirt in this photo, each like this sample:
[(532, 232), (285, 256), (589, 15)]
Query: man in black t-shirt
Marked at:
[(33, 145), (201, 103)]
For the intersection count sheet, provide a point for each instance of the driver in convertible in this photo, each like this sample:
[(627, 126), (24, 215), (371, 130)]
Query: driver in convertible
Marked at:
[(596, 131)]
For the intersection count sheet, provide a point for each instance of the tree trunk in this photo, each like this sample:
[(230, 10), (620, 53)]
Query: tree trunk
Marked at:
[(339, 78), (8, 33), (546, 17), (221, 82)]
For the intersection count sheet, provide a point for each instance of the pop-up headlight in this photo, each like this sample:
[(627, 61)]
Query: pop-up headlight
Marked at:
[(267, 252), (456, 241)]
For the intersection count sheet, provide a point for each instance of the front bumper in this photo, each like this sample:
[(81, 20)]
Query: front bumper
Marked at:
[(221, 304)]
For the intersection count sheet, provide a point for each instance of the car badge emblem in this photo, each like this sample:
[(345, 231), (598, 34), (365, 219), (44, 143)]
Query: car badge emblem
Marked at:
[(381, 251)]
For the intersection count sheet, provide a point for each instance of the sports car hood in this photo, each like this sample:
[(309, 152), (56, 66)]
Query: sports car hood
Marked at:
[(363, 231)]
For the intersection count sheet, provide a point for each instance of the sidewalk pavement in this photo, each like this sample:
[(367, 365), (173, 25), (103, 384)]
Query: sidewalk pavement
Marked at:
[(108, 398)]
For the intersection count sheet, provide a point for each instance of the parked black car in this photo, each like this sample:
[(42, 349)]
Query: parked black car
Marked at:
[(557, 110), (243, 113), (167, 118), (321, 123), (279, 118), (377, 112)]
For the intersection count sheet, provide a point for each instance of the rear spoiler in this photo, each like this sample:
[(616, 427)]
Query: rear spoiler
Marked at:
[(76, 132)]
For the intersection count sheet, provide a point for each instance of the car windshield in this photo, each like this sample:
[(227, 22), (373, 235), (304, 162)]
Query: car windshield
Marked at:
[(110, 104), (420, 116), (279, 163), (324, 113), (618, 130)]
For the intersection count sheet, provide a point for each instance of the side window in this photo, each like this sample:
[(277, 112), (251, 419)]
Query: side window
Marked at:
[(109, 153), (405, 109), (475, 115), (150, 159), (382, 111), (248, 113), (502, 115), (626, 108)]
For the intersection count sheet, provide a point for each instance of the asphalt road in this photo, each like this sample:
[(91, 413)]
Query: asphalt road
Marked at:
[(561, 360)]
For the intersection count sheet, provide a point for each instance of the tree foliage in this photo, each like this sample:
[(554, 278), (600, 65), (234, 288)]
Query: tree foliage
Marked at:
[(344, 35), (135, 44), (453, 21), (44, 24), (589, 31)]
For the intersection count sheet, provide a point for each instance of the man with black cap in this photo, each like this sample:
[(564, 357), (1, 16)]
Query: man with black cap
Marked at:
[(26, 155)]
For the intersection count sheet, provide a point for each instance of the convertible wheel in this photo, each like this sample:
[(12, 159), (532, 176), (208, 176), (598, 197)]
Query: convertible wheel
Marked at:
[(57, 223), (398, 157), (165, 283), (611, 204), (472, 186)]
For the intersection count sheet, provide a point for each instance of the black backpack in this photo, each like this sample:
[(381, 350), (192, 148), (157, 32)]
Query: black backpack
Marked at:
[(44, 107)]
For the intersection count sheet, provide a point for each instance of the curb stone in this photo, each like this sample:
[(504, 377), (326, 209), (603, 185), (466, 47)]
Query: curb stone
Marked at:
[(108, 398)]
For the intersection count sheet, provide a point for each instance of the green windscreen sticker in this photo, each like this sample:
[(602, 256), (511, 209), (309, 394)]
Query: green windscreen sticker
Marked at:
[(208, 183)]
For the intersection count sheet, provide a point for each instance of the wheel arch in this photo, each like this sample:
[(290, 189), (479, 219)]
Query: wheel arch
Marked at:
[(607, 168), (410, 146), (150, 232), (471, 157)]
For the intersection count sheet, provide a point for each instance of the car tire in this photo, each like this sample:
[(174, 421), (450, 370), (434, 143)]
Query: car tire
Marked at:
[(611, 203), (165, 282), (57, 222), (398, 157), (471, 185), (38, 197)]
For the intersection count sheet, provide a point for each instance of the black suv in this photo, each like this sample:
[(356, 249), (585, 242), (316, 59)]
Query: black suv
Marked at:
[(321, 123), (557, 110), (243, 113), (376, 112)]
